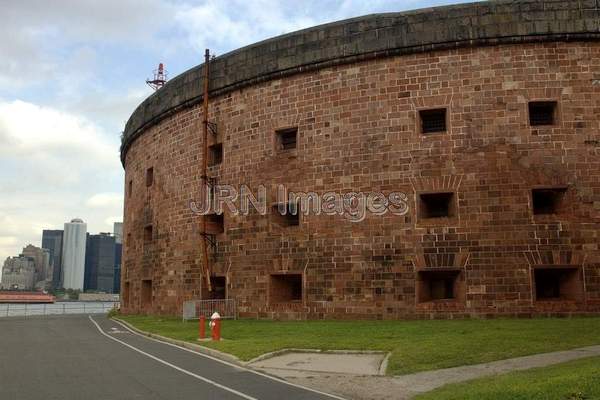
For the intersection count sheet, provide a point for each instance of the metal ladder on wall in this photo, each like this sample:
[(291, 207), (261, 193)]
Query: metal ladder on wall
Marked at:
[(208, 183)]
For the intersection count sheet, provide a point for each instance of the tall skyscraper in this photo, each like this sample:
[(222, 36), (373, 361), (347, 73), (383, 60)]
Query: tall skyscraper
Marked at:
[(52, 240), (118, 232), (73, 254), (41, 258), (117, 280), (100, 263), (18, 273)]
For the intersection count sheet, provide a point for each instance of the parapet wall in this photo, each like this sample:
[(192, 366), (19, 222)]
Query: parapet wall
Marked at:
[(372, 36)]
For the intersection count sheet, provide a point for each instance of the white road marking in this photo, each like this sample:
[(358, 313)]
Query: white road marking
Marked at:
[(201, 378), (114, 330), (233, 365)]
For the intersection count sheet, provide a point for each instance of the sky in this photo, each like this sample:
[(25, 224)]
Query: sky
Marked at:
[(74, 70)]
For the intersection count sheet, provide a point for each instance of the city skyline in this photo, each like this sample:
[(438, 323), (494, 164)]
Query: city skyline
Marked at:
[(116, 232)]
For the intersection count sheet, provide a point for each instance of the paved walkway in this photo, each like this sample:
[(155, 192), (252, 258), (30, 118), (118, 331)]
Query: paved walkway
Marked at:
[(93, 358), (302, 362), (407, 386)]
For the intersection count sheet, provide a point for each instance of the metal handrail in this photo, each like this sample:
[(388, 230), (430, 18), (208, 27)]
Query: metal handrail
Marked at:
[(25, 310), (193, 309)]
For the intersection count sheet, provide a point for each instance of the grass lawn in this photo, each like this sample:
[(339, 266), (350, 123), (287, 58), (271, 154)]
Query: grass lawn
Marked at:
[(415, 345), (575, 380)]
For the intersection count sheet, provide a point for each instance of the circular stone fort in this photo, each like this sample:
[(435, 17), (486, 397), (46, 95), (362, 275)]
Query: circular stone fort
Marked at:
[(468, 134)]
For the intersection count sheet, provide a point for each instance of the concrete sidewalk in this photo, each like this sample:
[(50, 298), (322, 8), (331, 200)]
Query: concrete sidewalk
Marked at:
[(407, 386), (301, 363)]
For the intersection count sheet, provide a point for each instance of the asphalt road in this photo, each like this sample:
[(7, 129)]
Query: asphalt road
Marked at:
[(94, 358)]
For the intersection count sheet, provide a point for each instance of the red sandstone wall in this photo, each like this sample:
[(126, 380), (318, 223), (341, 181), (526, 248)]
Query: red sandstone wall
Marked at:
[(358, 130)]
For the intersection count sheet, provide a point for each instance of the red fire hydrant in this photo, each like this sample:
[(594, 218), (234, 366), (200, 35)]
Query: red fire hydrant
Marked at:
[(202, 327), (215, 326)]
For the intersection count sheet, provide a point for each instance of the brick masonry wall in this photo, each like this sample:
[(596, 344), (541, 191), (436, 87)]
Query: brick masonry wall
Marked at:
[(358, 130)]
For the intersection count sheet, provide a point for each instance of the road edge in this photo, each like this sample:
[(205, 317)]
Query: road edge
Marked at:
[(219, 357), (182, 343), (235, 360)]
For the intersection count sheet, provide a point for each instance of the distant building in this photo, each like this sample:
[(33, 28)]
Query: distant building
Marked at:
[(18, 273), (24, 297), (52, 240), (98, 297), (118, 232), (73, 254), (117, 280), (100, 263), (41, 258)]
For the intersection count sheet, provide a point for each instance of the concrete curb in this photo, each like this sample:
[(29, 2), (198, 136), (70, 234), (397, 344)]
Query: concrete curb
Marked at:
[(276, 353), (190, 346), (382, 366)]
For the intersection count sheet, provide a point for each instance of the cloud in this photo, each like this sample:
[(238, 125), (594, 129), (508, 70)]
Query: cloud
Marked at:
[(110, 221), (111, 108), (54, 166), (227, 25), (32, 134), (105, 200), (39, 37), (34, 128), (236, 23)]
